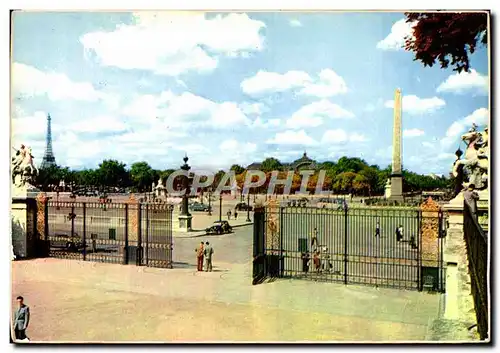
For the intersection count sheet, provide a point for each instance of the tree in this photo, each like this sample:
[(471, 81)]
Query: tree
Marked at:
[(361, 184), (112, 173), (344, 181), (446, 36), (270, 164), (238, 169), (142, 175)]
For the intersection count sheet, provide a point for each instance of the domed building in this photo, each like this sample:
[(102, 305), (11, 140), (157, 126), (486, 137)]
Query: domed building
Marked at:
[(303, 163)]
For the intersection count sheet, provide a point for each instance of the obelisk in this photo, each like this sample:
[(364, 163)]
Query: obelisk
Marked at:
[(396, 187)]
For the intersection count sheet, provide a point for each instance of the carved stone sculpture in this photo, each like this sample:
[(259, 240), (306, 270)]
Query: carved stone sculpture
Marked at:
[(23, 168), (476, 159)]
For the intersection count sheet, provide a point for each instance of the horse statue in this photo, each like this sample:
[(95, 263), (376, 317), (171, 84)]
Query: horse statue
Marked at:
[(475, 163), (23, 166)]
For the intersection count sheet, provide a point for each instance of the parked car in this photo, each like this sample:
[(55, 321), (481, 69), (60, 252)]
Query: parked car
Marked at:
[(242, 207), (219, 228), (68, 242), (199, 207)]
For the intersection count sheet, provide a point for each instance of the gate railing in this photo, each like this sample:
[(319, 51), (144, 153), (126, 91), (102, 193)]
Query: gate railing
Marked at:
[(477, 252), (125, 233), (347, 248)]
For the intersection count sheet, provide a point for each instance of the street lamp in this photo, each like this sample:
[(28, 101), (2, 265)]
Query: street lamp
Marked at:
[(248, 207), (220, 207), (210, 201)]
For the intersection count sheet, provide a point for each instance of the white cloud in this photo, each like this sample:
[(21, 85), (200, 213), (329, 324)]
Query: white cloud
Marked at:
[(98, 124), (412, 132), (314, 114), (28, 81), (355, 137), (463, 82), (339, 136), (181, 111), (260, 123), (327, 84), (415, 106), (25, 128), (295, 23), (479, 117), (171, 43), (267, 82), (234, 146), (396, 39), (445, 156), (428, 144), (291, 137), (253, 108)]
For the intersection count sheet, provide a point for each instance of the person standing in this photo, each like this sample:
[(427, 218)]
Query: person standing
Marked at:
[(317, 261), (471, 197), (399, 233), (235, 214), (21, 319), (377, 229), (200, 252), (314, 237), (305, 262), (229, 215), (209, 251)]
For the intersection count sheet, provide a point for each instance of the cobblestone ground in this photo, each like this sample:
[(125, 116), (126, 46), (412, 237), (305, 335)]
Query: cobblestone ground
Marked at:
[(73, 301)]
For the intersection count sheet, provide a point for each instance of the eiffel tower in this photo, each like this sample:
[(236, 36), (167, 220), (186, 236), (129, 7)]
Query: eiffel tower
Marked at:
[(48, 157)]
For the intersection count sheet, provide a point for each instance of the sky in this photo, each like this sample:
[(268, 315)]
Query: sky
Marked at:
[(229, 88)]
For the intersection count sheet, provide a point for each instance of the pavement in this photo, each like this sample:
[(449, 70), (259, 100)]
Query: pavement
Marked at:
[(74, 301), (201, 221)]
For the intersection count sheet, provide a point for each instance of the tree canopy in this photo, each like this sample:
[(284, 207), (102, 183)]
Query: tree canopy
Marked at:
[(448, 38)]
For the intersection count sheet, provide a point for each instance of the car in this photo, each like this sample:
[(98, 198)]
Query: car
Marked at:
[(242, 207), (67, 242), (199, 207), (219, 227)]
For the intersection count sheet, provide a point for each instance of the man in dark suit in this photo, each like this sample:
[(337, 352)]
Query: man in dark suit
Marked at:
[(21, 319)]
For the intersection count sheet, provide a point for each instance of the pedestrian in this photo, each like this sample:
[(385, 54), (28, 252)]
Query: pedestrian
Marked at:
[(305, 262), (377, 229), (327, 265), (21, 319), (314, 237), (399, 233), (317, 261), (199, 256), (209, 251), (228, 215), (235, 214), (471, 197)]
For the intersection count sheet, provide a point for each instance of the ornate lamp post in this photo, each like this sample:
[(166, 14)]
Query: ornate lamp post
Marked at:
[(248, 207), (210, 201), (185, 217), (220, 207)]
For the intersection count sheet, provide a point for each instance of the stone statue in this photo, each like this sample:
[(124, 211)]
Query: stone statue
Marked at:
[(23, 168), (476, 159)]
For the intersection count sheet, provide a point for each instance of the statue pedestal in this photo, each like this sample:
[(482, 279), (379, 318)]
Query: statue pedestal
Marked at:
[(185, 223), (23, 220)]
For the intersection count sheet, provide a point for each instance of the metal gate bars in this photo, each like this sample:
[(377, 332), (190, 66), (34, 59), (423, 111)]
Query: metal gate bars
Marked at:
[(376, 246), (123, 233)]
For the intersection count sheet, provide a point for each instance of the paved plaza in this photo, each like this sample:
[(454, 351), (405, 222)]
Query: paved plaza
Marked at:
[(90, 302)]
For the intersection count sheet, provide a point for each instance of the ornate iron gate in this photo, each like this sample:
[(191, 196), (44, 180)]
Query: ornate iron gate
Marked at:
[(344, 245), (124, 233)]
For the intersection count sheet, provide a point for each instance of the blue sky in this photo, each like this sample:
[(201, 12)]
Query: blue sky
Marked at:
[(234, 88)]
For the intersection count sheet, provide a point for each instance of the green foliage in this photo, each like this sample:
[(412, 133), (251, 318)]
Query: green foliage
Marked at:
[(270, 164), (448, 38), (238, 169), (142, 175)]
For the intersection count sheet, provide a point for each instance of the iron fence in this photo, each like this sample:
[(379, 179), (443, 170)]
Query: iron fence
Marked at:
[(477, 251), (123, 233), (344, 246)]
